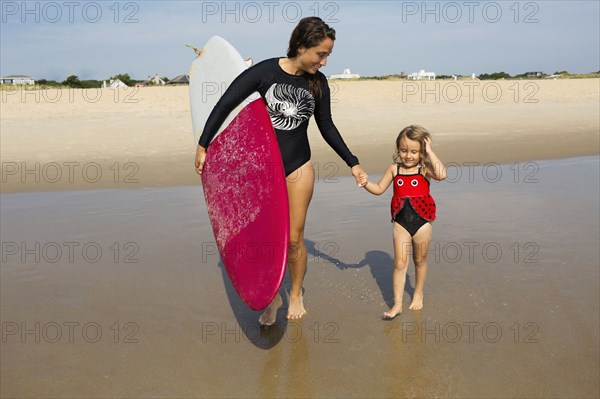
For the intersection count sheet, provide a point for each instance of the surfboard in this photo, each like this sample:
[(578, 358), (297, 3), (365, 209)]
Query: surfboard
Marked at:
[(243, 179)]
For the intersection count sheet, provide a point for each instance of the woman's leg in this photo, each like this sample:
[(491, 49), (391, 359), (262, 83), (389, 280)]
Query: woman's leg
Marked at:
[(300, 186), (402, 242), (421, 241)]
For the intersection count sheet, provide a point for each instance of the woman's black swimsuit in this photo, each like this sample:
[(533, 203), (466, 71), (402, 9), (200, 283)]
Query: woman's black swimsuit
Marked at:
[(290, 106)]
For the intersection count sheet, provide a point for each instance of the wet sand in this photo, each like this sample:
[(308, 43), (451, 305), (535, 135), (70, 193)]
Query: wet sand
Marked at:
[(120, 293)]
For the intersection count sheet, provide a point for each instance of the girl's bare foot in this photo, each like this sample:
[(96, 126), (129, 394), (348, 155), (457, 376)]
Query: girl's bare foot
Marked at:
[(296, 309), (393, 312), (417, 301), (270, 314)]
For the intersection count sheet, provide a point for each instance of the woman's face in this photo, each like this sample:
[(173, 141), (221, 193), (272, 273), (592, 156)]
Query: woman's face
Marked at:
[(313, 58)]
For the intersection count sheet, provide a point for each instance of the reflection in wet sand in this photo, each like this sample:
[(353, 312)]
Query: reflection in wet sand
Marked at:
[(511, 298)]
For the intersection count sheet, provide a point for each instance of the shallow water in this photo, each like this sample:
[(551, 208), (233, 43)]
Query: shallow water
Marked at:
[(120, 293)]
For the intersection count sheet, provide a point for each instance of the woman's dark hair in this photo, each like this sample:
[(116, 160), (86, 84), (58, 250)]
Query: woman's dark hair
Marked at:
[(309, 32)]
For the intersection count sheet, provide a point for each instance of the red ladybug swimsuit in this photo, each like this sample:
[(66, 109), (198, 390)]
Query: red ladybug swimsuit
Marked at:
[(412, 206)]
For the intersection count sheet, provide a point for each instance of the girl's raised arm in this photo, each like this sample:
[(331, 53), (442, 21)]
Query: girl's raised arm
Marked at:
[(384, 182), (439, 170)]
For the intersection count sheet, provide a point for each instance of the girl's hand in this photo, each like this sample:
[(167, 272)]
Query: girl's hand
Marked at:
[(200, 159), (364, 179), (428, 147), (360, 175)]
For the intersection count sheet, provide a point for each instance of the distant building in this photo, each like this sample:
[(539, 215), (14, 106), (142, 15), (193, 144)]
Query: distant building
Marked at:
[(345, 75), (422, 75), (152, 80), (180, 80), (114, 84), (536, 74), (17, 80)]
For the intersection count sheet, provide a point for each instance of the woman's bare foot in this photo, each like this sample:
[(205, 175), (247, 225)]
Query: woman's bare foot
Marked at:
[(417, 301), (270, 314), (296, 309), (393, 312)]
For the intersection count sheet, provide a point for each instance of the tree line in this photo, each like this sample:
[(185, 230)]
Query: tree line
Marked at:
[(488, 76), (76, 83)]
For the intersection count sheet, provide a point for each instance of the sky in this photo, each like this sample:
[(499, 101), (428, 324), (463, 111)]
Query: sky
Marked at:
[(99, 39)]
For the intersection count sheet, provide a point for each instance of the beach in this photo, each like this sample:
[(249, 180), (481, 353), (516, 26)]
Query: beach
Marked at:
[(111, 284), (57, 139)]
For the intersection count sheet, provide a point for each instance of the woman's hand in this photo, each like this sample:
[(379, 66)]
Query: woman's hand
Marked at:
[(200, 159), (360, 175)]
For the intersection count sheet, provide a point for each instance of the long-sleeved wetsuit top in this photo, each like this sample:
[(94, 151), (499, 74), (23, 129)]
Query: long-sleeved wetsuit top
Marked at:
[(290, 106)]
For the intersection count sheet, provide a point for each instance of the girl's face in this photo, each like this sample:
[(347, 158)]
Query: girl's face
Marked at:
[(313, 58), (410, 152)]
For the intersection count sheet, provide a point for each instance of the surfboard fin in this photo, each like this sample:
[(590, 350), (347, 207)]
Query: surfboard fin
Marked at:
[(198, 52)]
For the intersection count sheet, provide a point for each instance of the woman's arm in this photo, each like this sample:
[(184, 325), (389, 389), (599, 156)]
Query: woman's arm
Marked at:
[(326, 126), (332, 136), (241, 87), (384, 182)]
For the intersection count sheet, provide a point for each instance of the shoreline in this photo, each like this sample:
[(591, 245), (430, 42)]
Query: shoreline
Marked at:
[(27, 177)]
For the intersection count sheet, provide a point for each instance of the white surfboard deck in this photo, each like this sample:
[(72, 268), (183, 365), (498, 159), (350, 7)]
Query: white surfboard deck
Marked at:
[(223, 66)]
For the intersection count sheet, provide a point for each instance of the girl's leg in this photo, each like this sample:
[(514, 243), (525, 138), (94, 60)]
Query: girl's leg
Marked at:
[(300, 186), (402, 241), (421, 241)]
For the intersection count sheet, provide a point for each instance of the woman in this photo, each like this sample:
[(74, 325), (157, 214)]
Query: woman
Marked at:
[(293, 90)]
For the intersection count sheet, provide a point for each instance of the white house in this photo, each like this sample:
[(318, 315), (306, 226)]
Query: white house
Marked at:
[(114, 84), (17, 80), (422, 75), (345, 75), (156, 80)]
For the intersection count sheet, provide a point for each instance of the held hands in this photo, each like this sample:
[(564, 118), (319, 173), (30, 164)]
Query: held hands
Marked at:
[(200, 158), (360, 175), (364, 179)]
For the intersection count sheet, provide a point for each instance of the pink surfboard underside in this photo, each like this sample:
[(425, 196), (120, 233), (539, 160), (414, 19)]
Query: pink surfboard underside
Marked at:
[(246, 197)]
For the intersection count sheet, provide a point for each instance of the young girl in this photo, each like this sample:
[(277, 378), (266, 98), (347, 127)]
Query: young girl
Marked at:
[(413, 208)]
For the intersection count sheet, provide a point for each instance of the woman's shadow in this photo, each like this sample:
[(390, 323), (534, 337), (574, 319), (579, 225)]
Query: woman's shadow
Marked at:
[(380, 263), (247, 319)]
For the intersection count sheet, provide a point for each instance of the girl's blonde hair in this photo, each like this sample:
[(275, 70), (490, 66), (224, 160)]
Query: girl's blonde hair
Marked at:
[(416, 133)]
